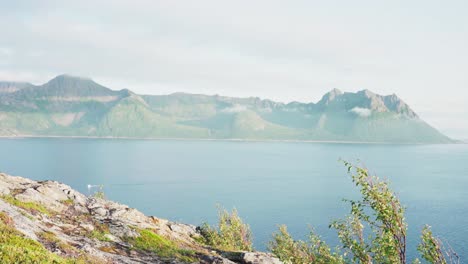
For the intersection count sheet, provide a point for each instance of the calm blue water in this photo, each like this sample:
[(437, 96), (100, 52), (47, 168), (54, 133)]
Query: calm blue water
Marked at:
[(298, 184)]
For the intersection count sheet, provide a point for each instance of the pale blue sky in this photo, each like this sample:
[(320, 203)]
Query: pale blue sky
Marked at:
[(282, 50)]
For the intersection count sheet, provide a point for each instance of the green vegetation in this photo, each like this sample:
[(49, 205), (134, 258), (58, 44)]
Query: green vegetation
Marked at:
[(67, 202), (387, 240), (232, 233), (51, 239), (28, 206), (100, 231), (6, 220), (99, 235), (159, 245), (100, 193), (292, 251), (15, 248), (432, 249), (375, 231), (380, 212)]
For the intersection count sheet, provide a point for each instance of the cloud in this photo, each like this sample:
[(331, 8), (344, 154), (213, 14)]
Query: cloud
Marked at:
[(363, 112)]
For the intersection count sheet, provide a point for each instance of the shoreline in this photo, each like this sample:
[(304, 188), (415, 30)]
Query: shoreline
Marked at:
[(229, 140)]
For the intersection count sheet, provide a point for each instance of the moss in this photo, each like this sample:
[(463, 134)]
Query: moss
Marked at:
[(100, 232), (23, 213), (15, 248), (159, 245), (48, 237), (99, 235), (67, 202), (110, 250), (51, 239), (6, 219), (28, 206)]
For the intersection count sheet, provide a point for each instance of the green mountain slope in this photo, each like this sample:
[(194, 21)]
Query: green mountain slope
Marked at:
[(74, 106)]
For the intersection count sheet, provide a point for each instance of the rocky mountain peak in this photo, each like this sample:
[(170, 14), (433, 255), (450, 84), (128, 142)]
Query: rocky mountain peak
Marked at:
[(11, 87), (68, 85), (372, 101), (368, 93), (395, 104), (89, 106), (330, 96), (69, 80)]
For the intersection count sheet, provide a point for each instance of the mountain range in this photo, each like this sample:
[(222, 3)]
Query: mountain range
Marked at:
[(76, 106)]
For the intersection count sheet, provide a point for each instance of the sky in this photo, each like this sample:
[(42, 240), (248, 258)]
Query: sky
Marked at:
[(280, 50)]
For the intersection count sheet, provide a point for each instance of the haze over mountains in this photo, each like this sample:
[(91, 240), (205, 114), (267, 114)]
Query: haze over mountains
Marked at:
[(75, 106)]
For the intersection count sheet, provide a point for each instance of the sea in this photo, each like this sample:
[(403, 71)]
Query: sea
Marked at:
[(300, 184)]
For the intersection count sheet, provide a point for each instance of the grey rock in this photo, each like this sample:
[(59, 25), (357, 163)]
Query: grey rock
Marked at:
[(100, 211), (260, 258), (121, 229), (87, 227), (251, 257), (4, 190), (74, 222), (52, 190), (183, 229), (32, 195), (24, 224)]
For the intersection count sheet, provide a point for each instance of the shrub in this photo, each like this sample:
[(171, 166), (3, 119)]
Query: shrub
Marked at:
[(432, 249), (99, 193), (386, 242), (232, 234), (379, 211), (291, 251)]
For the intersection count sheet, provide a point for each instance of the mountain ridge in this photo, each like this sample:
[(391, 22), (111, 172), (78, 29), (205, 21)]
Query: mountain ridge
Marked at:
[(76, 106)]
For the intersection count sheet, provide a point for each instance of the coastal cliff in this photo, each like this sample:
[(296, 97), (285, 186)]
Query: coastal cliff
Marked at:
[(49, 222)]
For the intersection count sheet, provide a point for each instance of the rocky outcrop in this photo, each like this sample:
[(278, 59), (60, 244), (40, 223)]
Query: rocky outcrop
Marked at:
[(101, 228), (251, 257)]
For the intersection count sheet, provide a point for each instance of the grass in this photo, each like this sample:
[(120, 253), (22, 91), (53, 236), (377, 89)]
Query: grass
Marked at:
[(15, 248), (6, 220), (67, 202), (110, 250), (100, 231), (159, 245), (99, 235), (28, 206), (52, 239)]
